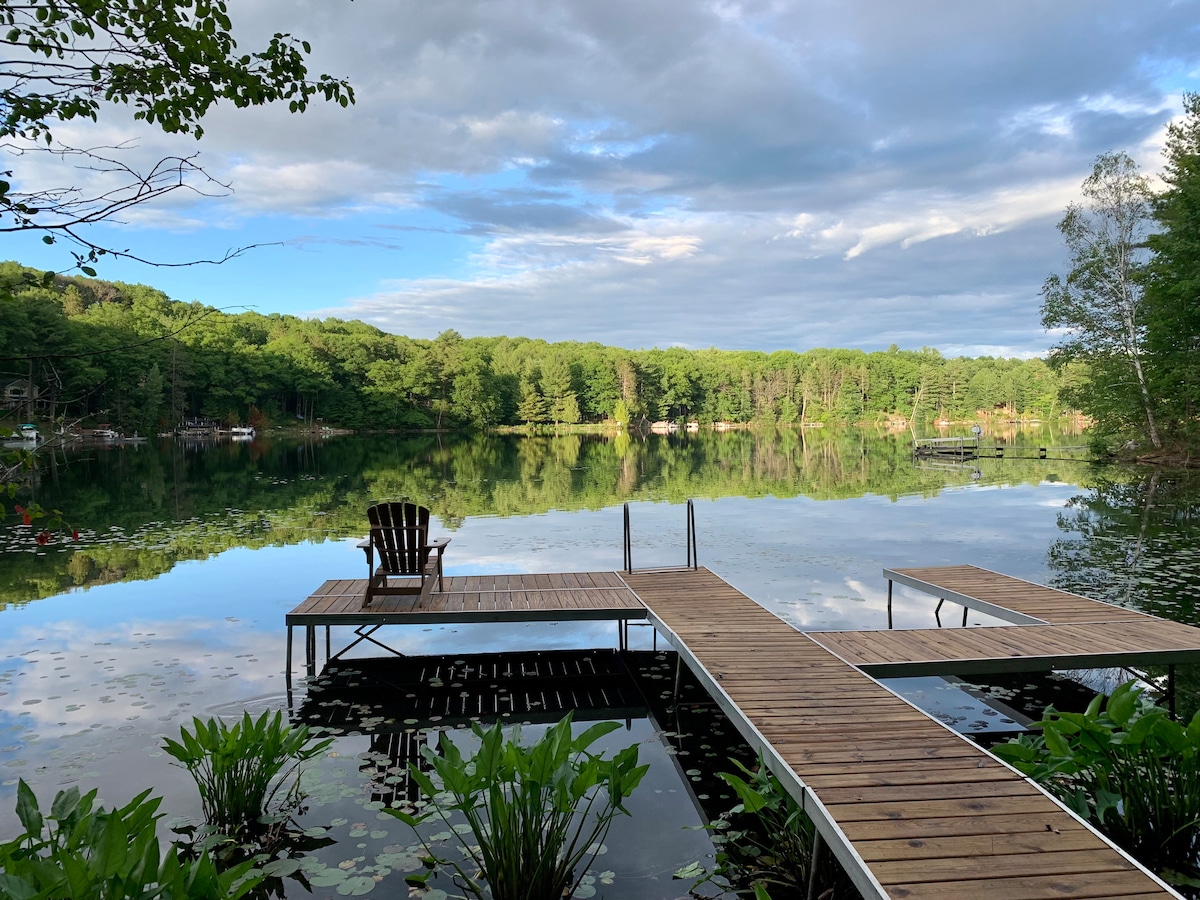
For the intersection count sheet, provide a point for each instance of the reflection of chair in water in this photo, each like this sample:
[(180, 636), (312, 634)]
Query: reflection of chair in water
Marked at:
[(400, 536)]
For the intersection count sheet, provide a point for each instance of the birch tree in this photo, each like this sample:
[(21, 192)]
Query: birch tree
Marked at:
[(1098, 309)]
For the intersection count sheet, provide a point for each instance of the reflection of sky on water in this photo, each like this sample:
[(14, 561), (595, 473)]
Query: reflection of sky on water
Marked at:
[(90, 680)]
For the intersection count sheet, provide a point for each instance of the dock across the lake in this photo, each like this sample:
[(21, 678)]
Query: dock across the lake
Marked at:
[(963, 448), (910, 808)]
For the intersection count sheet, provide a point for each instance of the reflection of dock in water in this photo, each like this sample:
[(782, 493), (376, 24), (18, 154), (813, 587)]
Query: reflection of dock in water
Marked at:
[(963, 448), (388, 694), (397, 701)]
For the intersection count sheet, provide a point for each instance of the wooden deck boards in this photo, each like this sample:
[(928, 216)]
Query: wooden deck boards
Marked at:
[(491, 598), (1015, 648), (912, 809), (981, 588)]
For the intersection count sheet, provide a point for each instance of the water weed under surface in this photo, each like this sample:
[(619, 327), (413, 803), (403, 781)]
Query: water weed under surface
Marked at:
[(765, 845)]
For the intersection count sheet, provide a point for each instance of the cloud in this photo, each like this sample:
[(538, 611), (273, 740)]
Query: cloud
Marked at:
[(746, 173)]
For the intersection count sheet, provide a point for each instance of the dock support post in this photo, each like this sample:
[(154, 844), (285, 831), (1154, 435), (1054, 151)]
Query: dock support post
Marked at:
[(289, 651), (937, 613), (678, 674), (1171, 691), (889, 604), (288, 670), (626, 541), (966, 609), (812, 865), (310, 650)]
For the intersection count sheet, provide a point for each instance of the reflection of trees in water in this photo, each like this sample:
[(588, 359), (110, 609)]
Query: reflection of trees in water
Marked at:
[(1134, 540), (144, 509)]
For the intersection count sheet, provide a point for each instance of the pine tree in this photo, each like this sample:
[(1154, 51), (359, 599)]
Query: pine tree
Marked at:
[(1173, 279)]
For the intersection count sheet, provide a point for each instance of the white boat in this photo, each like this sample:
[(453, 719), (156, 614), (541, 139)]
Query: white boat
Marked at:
[(26, 437), (242, 432), (105, 433)]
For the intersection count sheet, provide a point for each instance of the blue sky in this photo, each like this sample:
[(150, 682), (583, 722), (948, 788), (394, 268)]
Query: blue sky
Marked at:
[(758, 175)]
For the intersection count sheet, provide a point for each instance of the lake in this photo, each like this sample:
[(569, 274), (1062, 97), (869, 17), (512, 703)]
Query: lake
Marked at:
[(172, 602)]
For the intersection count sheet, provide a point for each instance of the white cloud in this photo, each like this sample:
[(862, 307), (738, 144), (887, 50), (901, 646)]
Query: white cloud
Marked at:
[(850, 173)]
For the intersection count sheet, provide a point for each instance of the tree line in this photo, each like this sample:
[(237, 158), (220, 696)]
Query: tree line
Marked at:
[(129, 355)]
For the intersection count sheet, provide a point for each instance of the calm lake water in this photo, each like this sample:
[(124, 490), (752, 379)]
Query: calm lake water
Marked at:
[(172, 602)]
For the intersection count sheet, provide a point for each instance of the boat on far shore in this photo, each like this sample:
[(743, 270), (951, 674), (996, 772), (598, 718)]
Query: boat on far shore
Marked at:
[(25, 437)]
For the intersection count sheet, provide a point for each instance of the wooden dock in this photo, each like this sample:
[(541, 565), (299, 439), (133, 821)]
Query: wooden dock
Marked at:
[(476, 598), (910, 808)]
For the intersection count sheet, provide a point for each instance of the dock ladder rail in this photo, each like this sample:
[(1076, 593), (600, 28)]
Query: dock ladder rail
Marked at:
[(690, 529), (692, 563)]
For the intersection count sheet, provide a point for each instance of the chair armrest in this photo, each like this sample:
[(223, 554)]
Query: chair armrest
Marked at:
[(438, 544), (363, 544)]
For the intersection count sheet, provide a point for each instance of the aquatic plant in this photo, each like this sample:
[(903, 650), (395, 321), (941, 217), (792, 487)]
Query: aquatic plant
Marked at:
[(537, 814), (1127, 767), (766, 843), (81, 851), (247, 773)]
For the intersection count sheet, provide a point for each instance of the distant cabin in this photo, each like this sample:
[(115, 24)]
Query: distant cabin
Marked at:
[(21, 392)]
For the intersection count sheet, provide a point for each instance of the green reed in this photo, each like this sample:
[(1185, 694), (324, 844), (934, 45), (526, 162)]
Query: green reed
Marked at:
[(81, 851), (537, 813), (246, 772), (1127, 767), (766, 843)]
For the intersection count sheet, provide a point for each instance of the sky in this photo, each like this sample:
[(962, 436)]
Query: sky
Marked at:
[(744, 175)]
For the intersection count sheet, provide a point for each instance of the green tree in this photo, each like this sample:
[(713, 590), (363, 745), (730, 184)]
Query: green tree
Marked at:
[(533, 407), (1173, 285), (558, 388), (1100, 304), (170, 62)]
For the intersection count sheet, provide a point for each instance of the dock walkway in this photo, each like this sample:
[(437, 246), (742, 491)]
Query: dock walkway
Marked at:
[(911, 808)]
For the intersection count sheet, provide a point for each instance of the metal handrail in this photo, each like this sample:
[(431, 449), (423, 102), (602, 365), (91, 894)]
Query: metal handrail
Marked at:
[(690, 534)]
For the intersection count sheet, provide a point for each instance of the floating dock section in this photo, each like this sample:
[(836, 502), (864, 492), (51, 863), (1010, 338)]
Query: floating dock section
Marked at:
[(910, 808)]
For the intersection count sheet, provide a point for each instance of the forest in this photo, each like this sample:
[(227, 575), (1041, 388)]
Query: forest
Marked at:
[(125, 354)]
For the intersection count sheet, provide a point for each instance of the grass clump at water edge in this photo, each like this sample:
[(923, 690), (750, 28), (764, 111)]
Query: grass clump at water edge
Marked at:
[(82, 851), (1129, 769), (248, 772), (537, 814)]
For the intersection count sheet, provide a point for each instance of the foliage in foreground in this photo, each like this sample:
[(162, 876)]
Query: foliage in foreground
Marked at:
[(537, 813), (765, 844), (248, 772), (1129, 769), (82, 851)]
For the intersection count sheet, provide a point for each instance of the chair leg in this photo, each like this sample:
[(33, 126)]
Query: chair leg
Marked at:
[(426, 585), (370, 592)]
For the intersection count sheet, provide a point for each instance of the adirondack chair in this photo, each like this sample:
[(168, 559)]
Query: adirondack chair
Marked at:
[(400, 536)]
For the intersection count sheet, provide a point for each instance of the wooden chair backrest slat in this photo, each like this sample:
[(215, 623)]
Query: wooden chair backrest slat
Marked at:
[(398, 534)]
